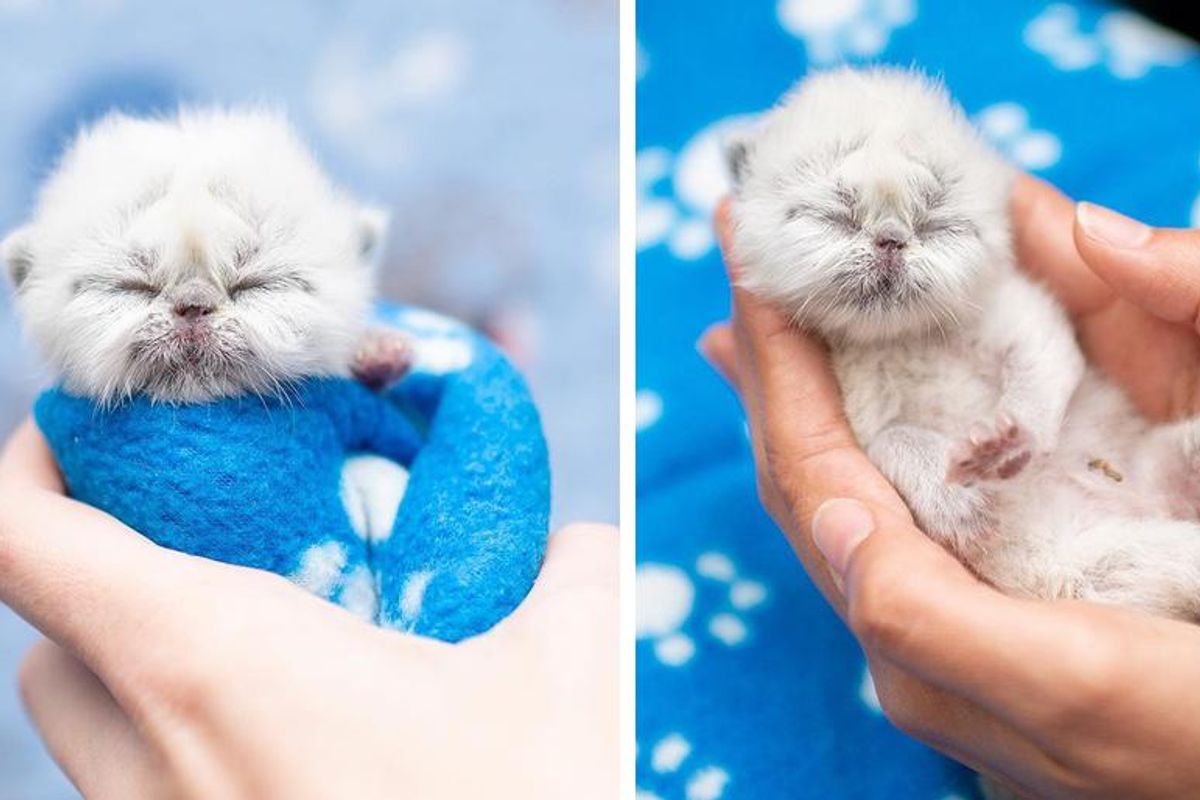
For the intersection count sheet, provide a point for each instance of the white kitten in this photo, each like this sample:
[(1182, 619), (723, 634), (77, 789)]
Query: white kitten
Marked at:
[(192, 258), (869, 210)]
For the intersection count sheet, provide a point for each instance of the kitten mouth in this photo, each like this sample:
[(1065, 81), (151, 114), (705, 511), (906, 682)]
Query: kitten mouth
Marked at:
[(189, 361), (194, 342), (880, 285)]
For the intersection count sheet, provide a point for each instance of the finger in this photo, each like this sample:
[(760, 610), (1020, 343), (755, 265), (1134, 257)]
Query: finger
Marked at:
[(914, 604), (1157, 269), (804, 450), (747, 384), (27, 461), (719, 348), (750, 393), (1043, 218), (962, 730), (86, 732), (78, 575)]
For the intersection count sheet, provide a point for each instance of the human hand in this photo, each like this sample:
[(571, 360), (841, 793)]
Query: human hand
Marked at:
[(174, 676), (1133, 292), (1062, 699)]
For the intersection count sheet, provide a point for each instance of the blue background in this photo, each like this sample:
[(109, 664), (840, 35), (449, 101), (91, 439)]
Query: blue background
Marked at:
[(487, 129), (748, 685)]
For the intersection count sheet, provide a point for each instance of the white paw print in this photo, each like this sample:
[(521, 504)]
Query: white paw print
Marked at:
[(667, 757), (666, 597), (324, 571), (649, 409), (371, 490), (440, 345), (698, 179), (1126, 44), (1007, 126), (835, 30), (1196, 212), (867, 692)]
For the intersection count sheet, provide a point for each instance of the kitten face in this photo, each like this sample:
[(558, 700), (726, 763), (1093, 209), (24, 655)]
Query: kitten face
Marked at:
[(867, 207), (191, 259)]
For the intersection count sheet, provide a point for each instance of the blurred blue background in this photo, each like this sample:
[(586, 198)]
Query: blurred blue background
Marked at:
[(488, 129)]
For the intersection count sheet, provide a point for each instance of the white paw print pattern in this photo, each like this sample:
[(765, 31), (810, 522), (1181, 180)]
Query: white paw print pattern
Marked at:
[(666, 598), (1196, 212), (1126, 44), (1007, 126), (867, 693), (441, 345), (649, 409), (837, 30), (324, 570), (698, 178), (668, 757), (371, 490)]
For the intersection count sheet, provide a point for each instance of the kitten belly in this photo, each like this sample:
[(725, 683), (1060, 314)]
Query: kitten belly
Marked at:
[(943, 387), (1110, 465), (1107, 461)]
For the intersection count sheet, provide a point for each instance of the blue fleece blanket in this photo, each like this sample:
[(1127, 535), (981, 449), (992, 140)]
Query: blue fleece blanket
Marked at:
[(424, 509), (748, 686)]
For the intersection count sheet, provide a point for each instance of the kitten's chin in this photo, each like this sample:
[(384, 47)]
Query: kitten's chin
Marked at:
[(191, 379), (903, 322)]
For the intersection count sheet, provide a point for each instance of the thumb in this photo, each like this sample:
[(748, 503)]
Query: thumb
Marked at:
[(913, 605), (1156, 269)]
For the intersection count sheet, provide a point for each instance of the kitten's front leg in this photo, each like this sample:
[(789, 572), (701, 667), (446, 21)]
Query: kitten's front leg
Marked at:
[(914, 460), (384, 356), (1041, 364)]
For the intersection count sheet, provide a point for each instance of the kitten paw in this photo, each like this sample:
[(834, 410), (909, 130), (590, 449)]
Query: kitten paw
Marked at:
[(994, 454), (383, 357)]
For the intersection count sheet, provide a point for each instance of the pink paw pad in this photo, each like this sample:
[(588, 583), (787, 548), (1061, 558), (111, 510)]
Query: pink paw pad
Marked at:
[(991, 455), (383, 358)]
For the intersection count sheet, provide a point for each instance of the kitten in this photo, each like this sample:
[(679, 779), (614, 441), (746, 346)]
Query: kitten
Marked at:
[(197, 257), (869, 210)]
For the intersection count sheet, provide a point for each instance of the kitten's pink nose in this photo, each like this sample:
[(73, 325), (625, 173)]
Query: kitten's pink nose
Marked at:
[(192, 312), (889, 244)]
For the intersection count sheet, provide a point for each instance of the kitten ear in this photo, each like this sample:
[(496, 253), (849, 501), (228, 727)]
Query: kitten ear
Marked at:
[(737, 152), (18, 256), (372, 227)]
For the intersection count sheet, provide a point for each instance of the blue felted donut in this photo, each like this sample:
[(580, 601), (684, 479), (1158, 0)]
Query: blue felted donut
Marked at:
[(306, 484)]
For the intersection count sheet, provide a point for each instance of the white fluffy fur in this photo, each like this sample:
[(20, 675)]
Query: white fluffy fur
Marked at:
[(868, 209), (221, 211)]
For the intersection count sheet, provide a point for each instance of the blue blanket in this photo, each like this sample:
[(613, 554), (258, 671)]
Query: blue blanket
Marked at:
[(748, 686), (423, 509)]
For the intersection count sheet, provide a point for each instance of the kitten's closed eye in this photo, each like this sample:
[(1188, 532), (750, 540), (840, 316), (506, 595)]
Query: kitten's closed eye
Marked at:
[(137, 286), (930, 227), (841, 217), (110, 285), (266, 283)]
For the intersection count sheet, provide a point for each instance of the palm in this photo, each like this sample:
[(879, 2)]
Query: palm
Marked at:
[(1157, 363)]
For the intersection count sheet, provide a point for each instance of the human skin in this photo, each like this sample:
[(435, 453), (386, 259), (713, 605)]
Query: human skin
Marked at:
[(167, 675), (1053, 699)]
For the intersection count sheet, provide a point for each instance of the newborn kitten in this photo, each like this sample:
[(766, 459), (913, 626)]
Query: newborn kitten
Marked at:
[(197, 257), (868, 209)]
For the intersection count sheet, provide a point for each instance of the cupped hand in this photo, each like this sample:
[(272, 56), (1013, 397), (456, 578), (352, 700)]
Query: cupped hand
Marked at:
[(1133, 292), (166, 675), (1062, 699)]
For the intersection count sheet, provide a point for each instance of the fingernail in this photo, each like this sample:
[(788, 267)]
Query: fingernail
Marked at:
[(839, 527), (1111, 228)]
